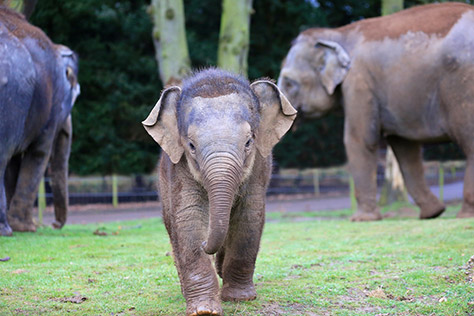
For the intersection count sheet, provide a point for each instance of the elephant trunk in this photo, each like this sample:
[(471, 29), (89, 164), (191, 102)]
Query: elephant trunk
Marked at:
[(222, 176)]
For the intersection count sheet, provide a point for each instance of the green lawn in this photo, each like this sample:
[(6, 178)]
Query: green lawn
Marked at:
[(392, 267)]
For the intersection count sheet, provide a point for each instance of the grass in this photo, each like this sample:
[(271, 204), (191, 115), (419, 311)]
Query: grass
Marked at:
[(393, 267)]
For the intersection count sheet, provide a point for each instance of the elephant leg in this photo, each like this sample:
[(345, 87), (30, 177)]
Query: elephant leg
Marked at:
[(363, 168), (199, 283), (186, 222), (11, 177), (5, 229), (59, 173), (237, 264), (467, 209), (33, 166), (409, 157)]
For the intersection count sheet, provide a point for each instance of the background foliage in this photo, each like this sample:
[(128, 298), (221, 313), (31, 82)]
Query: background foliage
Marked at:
[(120, 84)]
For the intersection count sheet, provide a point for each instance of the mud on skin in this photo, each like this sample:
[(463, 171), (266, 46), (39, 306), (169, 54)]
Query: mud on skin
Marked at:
[(217, 133)]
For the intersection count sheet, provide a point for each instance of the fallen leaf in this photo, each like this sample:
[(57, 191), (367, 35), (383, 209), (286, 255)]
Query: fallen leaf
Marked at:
[(296, 266), (378, 293), (19, 271), (100, 233), (76, 246), (78, 299), (443, 299)]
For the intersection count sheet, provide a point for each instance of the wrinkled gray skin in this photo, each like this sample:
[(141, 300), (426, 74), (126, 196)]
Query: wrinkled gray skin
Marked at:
[(38, 87), (217, 133), (407, 77)]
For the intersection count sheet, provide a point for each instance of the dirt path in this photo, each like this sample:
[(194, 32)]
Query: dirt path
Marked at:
[(106, 213)]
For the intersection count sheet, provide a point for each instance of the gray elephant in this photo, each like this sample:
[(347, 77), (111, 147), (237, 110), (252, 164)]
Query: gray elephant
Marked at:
[(58, 176), (217, 133), (406, 77), (38, 87)]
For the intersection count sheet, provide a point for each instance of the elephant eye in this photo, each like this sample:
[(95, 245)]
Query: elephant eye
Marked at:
[(248, 143), (191, 146)]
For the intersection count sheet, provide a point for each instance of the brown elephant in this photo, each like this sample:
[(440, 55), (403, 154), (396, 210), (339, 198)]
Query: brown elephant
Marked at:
[(217, 133), (406, 77)]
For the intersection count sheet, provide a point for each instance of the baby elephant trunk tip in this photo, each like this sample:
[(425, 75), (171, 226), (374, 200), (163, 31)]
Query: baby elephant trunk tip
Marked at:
[(207, 249)]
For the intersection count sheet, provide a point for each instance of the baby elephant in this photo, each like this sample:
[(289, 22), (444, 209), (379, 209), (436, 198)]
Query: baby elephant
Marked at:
[(217, 133)]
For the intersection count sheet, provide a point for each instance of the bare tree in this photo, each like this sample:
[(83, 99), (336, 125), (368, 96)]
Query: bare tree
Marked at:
[(234, 35), (169, 38)]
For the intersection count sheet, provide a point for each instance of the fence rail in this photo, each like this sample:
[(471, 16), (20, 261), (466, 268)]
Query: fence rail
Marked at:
[(318, 182)]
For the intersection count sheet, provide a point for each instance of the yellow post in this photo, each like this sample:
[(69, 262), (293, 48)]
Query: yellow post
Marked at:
[(441, 182), (114, 191), (316, 182), (352, 193), (41, 201)]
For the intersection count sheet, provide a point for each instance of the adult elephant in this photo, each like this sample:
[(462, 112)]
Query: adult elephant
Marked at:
[(407, 77), (38, 87), (58, 175)]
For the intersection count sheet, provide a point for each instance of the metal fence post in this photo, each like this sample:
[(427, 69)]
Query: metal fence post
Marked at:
[(41, 201), (114, 190)]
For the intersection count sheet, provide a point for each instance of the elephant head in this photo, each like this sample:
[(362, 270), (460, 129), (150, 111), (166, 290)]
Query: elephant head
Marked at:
[(216, 125), (311, 73), (67, 73)]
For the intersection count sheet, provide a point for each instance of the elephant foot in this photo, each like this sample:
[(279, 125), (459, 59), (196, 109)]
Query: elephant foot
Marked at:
[(203, 307), (432, 211), (361, 216), (5, 230), (465, 214), (57, 225), (238, 293), (22, 226)]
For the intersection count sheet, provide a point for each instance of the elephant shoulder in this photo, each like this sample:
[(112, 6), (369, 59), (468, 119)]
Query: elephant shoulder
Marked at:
[(20, 28), (17, 69)]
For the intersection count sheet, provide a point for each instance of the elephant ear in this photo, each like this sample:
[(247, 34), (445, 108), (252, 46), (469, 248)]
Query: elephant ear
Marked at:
[(276, 115), (334, 66), (162, 123)]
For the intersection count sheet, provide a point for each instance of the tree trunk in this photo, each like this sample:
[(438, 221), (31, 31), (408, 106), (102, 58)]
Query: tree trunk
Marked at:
[(169, 38), (391, 6), (24, 6), (234, 35), (393, 188)]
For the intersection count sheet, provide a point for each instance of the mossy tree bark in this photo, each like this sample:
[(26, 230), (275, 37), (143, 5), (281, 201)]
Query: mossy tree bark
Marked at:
[(393, 189), (24, 6), (234, 35), (169, 38), (391, 6)]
